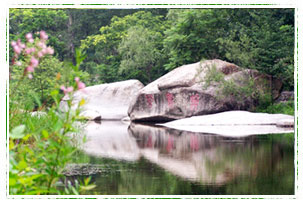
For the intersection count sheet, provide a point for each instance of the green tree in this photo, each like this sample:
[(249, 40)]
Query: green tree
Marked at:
[(262, 39), (103, 49), (141, 53), (192, 36)]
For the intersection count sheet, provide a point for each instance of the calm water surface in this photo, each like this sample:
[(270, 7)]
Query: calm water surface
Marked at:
[(141, 159)]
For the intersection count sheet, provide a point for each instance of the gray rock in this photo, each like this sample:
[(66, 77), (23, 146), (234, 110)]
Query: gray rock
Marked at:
[(285, 96), (180, 93), (107, 101), (81, 170)]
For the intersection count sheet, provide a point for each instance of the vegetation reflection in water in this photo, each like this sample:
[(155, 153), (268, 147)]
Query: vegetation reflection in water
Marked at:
[(149, 160)]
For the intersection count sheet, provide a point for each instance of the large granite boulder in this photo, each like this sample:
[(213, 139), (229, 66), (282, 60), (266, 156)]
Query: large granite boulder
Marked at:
[(107, 101), (183, 92)]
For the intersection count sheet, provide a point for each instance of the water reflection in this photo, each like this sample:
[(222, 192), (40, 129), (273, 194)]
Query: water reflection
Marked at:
[(110, 139), (205, 158)]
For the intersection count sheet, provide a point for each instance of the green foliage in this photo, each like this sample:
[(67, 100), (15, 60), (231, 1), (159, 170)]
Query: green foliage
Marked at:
[(40, 143), (243, 89), (141, 54), (261, 39), (103, 48), (283, 107), (192, 36), (212, 76)]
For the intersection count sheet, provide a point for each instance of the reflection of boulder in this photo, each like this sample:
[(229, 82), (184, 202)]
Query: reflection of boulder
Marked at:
[(207, 158), (106, 101), (110, 139), (180, 93), (202, 157), (236, 123)]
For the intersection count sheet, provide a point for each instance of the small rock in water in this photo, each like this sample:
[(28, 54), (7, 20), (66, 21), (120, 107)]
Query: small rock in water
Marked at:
[(81, 169)]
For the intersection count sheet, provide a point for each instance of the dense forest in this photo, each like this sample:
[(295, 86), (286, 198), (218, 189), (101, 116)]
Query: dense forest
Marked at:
[(146, 43)]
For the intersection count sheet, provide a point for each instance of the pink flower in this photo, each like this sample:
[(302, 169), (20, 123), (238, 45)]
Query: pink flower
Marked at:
[(34, 62), (28, 36), (31, 40), (41, 44), (28, 50), (66, 90), (33, 49), (17, 49), (62, 88), (19, 42), (44, 51), (40, 54), (81, 85), (50, 50), (22, 45), (18, 63), (43, 35), (69, 89), (30, 69), (13, 43), (77, 79), (30, 76)]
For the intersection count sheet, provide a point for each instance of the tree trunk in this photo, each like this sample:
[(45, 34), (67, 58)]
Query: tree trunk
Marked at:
[(71, 36)]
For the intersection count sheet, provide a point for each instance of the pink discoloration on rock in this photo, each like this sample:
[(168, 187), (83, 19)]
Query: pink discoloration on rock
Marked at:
[(170, 144), (194, 142), (150, 99), (170, 99), (194, 102), (150, 142)]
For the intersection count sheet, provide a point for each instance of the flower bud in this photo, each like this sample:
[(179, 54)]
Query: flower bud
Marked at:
[(28, 36), (69, 89), (28, 50), (31, 40), (30, 69), (17, 49), (40, 54), (81, 85), (43, 35), (50, 50), (34, 62), (62, 88)]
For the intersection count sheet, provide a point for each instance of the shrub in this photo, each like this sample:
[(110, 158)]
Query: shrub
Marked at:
[(244, 91), (39, 145)]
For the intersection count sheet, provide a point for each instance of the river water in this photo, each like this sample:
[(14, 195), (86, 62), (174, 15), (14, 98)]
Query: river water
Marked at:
[(141, 159)]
